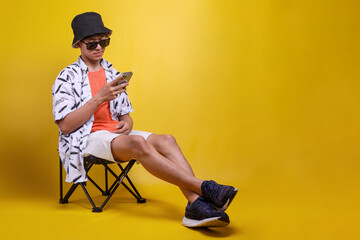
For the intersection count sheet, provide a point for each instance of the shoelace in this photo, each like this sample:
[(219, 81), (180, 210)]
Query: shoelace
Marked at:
[(213, 190)]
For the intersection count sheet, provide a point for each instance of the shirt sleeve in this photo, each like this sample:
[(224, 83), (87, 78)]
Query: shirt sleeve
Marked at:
[(63, 97), (125, 106)]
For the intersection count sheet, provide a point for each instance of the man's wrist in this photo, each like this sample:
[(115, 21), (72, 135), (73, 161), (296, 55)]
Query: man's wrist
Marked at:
[(96, 101)]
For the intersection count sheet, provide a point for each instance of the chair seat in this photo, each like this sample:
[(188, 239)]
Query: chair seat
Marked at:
[(97, 160)]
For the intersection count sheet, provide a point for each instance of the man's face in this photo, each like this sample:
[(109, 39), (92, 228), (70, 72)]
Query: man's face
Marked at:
[(94, 54)]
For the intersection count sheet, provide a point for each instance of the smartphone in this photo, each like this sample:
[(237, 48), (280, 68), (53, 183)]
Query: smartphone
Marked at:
[(126, 77)]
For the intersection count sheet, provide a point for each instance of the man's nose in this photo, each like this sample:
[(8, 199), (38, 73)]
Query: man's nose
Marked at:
[(98, 46)]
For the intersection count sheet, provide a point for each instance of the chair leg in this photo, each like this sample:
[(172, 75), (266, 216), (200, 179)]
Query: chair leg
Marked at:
[(61, 183), (117, 177), (87, 169), (136, 194), (95, 209), (119, 180), (97, 186), (110, 195), (106, 192), (65, 199), (138, 197), (69, 193)]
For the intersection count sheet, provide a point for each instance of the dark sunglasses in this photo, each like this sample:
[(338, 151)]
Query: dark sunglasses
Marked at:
[(92, 45)]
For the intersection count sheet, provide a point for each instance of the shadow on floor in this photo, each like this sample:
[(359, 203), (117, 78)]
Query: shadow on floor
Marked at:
[(218, 232)]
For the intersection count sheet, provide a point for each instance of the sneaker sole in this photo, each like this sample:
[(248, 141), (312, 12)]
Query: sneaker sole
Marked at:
[(208, 222), (227, 204)]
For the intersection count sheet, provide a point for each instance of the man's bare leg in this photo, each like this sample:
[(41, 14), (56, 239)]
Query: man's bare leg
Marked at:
[(174, 169), (167, 146), (125, 147)]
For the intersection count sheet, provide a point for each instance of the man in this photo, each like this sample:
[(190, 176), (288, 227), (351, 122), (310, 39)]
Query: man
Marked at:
[(91, 107)]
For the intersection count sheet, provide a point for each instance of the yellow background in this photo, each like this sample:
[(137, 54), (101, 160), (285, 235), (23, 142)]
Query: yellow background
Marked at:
[(260, 94)]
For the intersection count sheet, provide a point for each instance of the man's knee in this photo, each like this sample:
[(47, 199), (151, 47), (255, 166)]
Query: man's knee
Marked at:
[(139, 145), (165, 140), (170, 139)]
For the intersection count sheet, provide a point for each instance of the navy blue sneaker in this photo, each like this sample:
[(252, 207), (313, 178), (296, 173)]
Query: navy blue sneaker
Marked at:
[(201, 214), (218, 195)]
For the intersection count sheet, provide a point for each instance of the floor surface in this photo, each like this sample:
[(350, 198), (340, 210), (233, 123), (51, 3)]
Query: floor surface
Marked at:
[(252, 216)]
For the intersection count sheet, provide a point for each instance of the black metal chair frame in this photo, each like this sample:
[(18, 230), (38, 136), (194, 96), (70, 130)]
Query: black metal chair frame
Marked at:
[(119, 179)]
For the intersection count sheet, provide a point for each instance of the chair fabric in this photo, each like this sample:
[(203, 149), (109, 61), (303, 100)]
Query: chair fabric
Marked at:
[(89, 162)]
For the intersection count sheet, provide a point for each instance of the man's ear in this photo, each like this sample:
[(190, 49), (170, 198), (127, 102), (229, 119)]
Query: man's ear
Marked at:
[(77, 45)]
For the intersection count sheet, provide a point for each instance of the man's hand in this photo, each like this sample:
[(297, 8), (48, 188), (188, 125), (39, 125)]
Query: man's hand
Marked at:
[(111, 90), (125, 125), (123, 128)]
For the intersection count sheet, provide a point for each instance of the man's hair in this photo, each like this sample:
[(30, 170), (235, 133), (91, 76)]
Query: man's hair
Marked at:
[(96, 35)]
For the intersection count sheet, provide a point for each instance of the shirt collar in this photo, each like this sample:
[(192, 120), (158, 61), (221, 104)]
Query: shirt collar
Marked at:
[(83, 66)]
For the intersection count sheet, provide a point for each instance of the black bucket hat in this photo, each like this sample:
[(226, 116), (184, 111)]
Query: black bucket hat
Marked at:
[(87, 24)]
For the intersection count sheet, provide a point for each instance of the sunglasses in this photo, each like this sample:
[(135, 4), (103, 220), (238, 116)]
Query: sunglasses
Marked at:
[(92, 45)]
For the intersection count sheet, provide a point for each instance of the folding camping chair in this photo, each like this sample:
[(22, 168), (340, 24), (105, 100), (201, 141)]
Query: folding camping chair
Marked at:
[(119, 179)]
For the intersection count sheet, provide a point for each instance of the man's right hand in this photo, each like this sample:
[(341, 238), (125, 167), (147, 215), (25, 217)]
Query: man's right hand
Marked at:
[(111, 90)]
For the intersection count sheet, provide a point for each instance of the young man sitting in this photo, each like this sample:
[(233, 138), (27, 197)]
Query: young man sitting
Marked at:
[(92, 109)]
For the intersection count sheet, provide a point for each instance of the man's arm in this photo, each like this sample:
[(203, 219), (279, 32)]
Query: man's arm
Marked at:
[(125, 124), (77, 118)]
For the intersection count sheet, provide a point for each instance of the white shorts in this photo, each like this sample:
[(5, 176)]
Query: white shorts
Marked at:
[(99, 143)]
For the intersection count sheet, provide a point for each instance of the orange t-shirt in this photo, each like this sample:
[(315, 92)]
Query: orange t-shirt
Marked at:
[(102, 116)]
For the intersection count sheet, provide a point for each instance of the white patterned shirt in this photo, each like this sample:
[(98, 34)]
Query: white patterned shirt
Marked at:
[(70, 91)]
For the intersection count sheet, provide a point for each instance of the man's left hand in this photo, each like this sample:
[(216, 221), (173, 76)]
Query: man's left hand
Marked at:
[(123, 128)]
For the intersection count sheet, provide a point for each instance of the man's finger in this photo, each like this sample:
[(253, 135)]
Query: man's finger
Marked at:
[(120, 91), (121, 85), (120, 125), (117, 80), (117, 131)]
